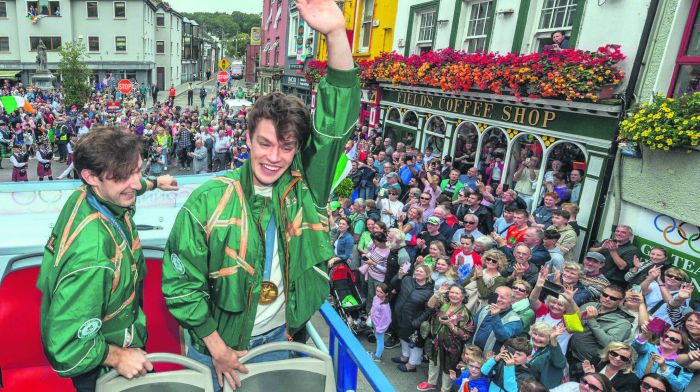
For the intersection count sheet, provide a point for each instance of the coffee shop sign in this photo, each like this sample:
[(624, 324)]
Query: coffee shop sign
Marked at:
[(509, 113)]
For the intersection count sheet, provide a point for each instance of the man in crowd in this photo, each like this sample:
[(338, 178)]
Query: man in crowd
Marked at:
[(619, 255), (567, 235), (520, 265), (593, 279), (93, 267), (235, 271), (495, 323)]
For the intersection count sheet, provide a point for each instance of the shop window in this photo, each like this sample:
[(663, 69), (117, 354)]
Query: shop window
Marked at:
[(410, 119), (555, 15), (494, 144), (686, 78), (434, 136), (524, 167), (565, 169), (394, 116), (465, 148), (477, 27)]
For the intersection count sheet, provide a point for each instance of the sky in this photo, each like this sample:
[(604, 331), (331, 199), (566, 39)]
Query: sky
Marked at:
[(247, 6)]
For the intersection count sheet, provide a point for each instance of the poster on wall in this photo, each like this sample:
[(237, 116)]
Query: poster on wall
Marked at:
[(680, 239)]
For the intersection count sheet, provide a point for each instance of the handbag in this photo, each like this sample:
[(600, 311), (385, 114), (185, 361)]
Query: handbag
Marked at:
[(573, 323)]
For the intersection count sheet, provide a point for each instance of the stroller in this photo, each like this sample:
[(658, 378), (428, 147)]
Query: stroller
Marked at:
[(347, 300)]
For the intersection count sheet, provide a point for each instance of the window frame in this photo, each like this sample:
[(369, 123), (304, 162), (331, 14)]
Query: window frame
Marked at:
[(114, 9), (49, 48), (116, 45), (542, 35), (488, 24), (413, 30), (160, 14), (682, 58), (4, 6), (87, 10), (36, 3), (291, 34), (365, 27), (8, 45), (163, 43), (98, 44)]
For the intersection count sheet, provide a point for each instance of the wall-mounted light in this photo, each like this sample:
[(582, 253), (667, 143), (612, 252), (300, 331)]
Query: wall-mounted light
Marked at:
[(443, 22), (507, 11)]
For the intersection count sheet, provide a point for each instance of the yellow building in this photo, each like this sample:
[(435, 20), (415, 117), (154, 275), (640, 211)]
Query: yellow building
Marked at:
[(369, 25)]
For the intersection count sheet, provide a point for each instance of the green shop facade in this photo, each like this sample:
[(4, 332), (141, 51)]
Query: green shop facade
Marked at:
[(478, 126)]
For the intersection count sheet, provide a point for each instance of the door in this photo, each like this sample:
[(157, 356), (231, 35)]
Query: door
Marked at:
[(160, 78)]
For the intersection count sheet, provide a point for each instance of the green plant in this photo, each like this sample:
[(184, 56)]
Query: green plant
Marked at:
[(344, 189), (664, 123), (74, 74)]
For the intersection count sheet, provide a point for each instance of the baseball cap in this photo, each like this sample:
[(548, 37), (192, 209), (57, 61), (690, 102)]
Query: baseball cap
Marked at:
[(596, 256), (335, 205), (433, 220), (392, 174)]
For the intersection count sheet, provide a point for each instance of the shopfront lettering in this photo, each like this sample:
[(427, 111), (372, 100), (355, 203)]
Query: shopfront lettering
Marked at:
[(539, 118)]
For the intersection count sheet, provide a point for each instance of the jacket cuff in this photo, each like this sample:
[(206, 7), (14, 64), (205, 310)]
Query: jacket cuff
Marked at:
[(344, 78), (205, 329)]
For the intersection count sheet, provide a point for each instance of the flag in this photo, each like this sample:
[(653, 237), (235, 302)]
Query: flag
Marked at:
[(11, 103), (344, 166)]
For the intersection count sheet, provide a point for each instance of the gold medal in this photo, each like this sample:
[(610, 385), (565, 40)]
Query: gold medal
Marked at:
[(268, 293)]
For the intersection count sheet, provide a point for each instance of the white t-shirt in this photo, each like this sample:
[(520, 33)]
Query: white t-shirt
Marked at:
[(272, 315), (563, 339)]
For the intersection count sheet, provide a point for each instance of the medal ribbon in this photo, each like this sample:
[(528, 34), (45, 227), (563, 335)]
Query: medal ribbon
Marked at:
[(270, 235), (108, 214)]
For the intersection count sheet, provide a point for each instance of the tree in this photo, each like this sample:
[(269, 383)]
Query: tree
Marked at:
[(74, 73), (236, 45)]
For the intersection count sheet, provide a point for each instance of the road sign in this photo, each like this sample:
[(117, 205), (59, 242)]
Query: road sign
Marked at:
[(124, 86), (222, 76), (223, 64)]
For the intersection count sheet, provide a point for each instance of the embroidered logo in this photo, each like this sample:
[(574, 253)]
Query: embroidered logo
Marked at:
[(177, 264), (49, 244), (89, 328)]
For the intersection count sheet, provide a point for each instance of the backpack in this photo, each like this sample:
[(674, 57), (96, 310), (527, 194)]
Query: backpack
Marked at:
[(202, 92)]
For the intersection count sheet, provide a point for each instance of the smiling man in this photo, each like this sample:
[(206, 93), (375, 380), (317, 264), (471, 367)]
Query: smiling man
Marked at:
[(93, 267), (245, 262)]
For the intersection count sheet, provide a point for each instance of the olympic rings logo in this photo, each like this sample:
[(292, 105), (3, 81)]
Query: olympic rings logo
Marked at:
[(682, 233)]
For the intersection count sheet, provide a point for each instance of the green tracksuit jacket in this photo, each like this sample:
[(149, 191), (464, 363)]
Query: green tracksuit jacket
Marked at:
[(215, 255), (92, 281)]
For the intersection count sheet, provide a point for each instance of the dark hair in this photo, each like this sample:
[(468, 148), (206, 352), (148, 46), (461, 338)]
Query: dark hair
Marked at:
[(615, 287), (563, 213), (519, 343), (511, 207), (523, 212), (557, 31), (551, 234), (108, 152), (379, 236), (347, 220), (289, 115), (466, 236), (386, 289), (603, 380), (661, 379), (531, 386), (381, 225)]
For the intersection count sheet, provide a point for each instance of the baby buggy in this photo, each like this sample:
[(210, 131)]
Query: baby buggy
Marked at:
[(347, 300)]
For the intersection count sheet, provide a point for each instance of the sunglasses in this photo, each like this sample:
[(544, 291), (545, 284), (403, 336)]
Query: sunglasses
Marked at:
[(590, 386), (610, 296), (672, 339), (490, 260), (425, 198), (393, 193), (674, 277), (470, 222), (619, 356), (647, 387), (521, 289)]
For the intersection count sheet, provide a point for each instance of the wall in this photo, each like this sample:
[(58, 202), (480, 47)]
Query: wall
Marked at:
[(382, 35), (504, 26), (48, 26), (272, 32), (8, 28)]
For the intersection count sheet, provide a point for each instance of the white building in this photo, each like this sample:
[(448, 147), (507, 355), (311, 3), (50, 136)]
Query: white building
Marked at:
[(168, 46), (120, 36)]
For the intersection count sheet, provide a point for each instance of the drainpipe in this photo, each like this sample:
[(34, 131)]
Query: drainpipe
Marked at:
[(614, 153)]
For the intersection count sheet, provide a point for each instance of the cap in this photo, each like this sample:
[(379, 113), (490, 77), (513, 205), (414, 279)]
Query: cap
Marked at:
[(335, 205), (433, 220), (392, 174), (596, 256)]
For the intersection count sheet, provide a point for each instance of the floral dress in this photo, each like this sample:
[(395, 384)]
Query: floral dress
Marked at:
[(446, 344)]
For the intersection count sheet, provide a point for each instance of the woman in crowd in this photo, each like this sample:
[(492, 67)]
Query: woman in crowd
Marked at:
[(409, 312), (659, 292), (661, 357), (547, 358), (657, 257), (655, 383), (398, 258), (343, 245), (375, 260), (591, 382), (411, 226), (521, 294), (617, 361), (450, 327), (436, 250), (484, 281), (444, 274), (482, 244)]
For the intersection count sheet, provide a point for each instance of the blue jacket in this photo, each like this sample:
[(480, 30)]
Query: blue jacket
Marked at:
[(481, 384), (510, 383), (501, 331), (675, 373), (344, 245)]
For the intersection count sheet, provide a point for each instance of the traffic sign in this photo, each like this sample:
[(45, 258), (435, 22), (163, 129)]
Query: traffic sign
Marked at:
[(222, 76), (223, 64), (124, 86)]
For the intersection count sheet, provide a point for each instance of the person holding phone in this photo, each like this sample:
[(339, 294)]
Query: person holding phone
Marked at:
[(659, 288), (660, 358)]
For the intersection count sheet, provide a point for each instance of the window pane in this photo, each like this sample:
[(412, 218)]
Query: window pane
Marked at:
[(694, 42), (4, 44), (688, 80), (120, 10), (92, 9), (94, 44), (3, 9), (120, 44)]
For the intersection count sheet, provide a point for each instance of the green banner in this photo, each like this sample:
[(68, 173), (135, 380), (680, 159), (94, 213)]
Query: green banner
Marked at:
[(686, 262), (581, 122)]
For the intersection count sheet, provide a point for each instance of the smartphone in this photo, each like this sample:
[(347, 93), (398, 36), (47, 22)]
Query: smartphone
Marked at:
[(505, 187), (493, 298), (637, 288)]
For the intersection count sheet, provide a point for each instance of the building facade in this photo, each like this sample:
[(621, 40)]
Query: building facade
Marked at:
[(273, 45), (119, 36), (168, 36), (302, 42)]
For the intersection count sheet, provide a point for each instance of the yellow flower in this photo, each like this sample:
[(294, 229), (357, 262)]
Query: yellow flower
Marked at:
[(669, 115), (669, 141), (659, 145), (665, 148)]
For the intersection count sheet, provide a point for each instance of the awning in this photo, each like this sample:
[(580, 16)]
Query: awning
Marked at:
[(8, 74)]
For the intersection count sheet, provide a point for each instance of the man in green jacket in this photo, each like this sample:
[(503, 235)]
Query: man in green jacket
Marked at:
[(245, 262), (93, 267)]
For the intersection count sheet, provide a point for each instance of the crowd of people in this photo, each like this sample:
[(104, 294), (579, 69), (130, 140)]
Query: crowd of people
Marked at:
[(197, 139), (482, 282)]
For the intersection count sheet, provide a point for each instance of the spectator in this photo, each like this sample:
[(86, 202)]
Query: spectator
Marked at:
[(660, 358), (464, 258), (509, 367), (542, 217), (619, 255), (380, 316), (556, 257), (343, 245), (411, 226), (410, 311), (375, 260), (519, 266), (451, 186), (471, 222), (516, 232), (485, 223), (559, 40), (482, 244), (547, 357), (658, 291), (358, 218), (483, 281), (522, 306), (497, 322), (444, 274), (617, 361), (504, 222), (470, 377), (430, 233), (567, 236), (552, 310), (591, 382), (437, 252), (593, 279), (398, 259), (199, 157), (575, 178), (657, 256)]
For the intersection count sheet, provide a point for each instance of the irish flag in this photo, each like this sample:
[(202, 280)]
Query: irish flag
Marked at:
[(344, 166), (11, 103)]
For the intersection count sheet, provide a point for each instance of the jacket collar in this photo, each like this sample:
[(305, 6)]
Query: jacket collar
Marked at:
[(118, 211)]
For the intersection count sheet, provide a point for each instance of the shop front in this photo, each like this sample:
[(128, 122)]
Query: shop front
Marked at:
[(531, 145)]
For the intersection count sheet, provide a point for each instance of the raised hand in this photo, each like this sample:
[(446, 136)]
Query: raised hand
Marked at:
[(655, 272), (453, 375), (588, 367), (637, 262), (323, 16), (591, 312), (542, 277), (686, 291)]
